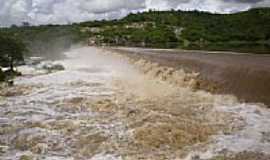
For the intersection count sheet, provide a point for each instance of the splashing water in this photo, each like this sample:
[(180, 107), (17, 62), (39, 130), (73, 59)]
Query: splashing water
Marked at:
[(102, 107)]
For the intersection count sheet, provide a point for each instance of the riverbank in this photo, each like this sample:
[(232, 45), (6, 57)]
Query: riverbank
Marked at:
[(246, 76)]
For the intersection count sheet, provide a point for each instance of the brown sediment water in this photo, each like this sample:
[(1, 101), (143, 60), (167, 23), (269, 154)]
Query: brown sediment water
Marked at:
[(246, 76), (108, 106)]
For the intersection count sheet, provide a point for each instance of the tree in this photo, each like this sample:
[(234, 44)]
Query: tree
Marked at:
[(11, 51), (26, 24)]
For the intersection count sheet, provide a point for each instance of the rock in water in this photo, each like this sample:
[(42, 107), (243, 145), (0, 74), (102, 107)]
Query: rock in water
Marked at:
[(52, 67)]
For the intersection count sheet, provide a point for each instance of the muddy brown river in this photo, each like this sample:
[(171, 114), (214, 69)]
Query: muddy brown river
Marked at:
[(105, 106)]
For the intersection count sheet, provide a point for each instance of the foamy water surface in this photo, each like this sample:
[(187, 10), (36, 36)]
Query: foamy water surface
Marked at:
[(97, 107)]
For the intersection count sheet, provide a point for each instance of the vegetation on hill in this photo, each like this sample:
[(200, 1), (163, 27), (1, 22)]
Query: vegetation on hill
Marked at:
[(252, 25), (162, 29), (192, 29)]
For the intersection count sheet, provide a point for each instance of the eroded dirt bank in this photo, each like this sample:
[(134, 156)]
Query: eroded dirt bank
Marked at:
[(106, 106), (244, 75)]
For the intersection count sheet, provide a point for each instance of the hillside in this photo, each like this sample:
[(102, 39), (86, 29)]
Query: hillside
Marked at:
[(245, 31), (186, 30)]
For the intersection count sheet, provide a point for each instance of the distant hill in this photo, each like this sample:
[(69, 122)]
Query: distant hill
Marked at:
[(243, 31), (187, 29), (252, 25)]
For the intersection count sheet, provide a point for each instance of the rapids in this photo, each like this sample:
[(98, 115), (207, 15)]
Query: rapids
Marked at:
[(104, 107)]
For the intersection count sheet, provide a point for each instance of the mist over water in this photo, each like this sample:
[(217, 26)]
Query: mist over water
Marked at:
[(104, 106)]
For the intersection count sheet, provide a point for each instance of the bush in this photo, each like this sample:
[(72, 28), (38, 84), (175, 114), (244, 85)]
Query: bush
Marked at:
[(11, 51)]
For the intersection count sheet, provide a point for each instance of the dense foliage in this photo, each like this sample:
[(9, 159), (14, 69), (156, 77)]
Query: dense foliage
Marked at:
[(252, 25), (11, 51), (188, 29), (165, 29)]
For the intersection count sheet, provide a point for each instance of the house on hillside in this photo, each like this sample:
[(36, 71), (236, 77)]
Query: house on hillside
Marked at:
[(91, 29), (139, 25)]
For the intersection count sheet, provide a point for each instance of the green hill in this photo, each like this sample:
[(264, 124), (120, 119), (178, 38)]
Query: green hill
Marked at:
[(247, 31), (189, 30)]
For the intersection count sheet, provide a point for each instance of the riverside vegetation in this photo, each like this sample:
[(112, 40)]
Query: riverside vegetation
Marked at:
[(11, 53), (244, 31)]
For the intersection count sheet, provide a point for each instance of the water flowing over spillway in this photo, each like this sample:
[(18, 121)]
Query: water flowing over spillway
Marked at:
[(102, 107)]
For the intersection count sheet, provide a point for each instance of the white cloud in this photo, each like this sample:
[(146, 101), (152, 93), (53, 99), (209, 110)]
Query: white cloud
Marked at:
[(65, 11), (218, 6)]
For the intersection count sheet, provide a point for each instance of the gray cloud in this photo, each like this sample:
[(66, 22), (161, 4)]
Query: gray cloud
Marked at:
[(65, 11)]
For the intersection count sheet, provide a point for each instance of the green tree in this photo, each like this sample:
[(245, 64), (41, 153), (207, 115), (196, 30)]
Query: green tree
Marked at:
[(11, 51)]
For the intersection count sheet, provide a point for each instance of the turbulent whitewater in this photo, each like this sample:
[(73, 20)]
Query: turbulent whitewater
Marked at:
[(104, 106)]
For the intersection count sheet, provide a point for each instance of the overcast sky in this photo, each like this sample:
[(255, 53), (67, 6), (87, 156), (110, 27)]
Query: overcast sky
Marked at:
[(67, 11)]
